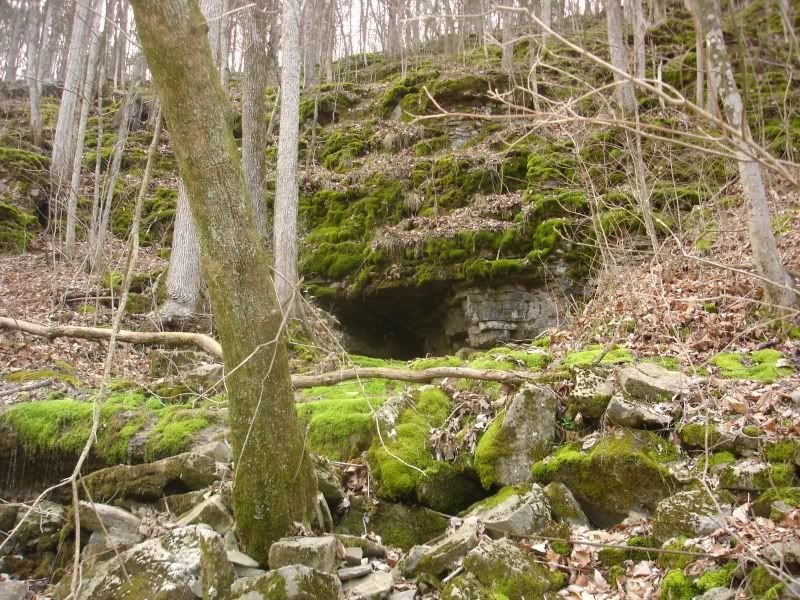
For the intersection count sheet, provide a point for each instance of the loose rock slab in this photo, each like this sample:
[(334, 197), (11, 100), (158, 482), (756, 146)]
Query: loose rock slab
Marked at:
[(637, 414), (294, 582), (649, 381), (315, 552), (522, 510), (375, 586)]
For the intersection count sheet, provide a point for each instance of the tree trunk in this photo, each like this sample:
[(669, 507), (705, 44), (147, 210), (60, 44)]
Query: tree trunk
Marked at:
[(274, 481), (507, 61), (286, 195), (639, 31), (184, 276), (619, 56), (778, 285), (14, 43), (254, 109), (64, 138), (86, 101), (32, 71)]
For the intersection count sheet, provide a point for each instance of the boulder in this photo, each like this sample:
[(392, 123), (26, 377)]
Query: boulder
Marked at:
[(101, 546), (217, 574), (691, 513), (591, 391), (563, 506), (151, 481), (649, 381), (718, 593), (14, 590), (219, 451), (369, 548), (178, 504), (46, 519), (627, 412), (754, 475), (164, 363), (103, 518), (354, 572), (517, 439), (375, 586), (293, 582), (510, 572), (447, 553), (613, 475), (165, 568), (204, 376), (319, 553), (212, 512), (329, 480), (515, 510), (243, 565)]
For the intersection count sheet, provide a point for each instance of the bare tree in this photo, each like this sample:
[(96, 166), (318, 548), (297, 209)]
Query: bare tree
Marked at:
[(32, 64), (274, 482), (619, 55), (779, 285), (286, 194)]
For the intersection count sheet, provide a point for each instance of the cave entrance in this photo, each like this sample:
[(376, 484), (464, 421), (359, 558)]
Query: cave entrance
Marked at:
[(400, 323)]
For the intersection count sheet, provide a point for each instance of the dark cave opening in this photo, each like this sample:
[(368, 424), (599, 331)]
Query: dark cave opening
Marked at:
[(400, 323)]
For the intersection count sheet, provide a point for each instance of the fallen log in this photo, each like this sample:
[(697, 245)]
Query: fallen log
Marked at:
[(211, 346)]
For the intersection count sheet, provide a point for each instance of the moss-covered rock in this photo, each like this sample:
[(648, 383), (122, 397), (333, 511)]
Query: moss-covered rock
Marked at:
[(753, 475), (591, 391), (563, 505), (624, 471), (17, 229), (690, 513), (765, 365), (520, 510), (517, 438), (677, 586)]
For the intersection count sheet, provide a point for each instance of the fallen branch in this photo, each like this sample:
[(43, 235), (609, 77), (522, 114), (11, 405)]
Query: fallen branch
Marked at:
[(212, 347), (167, 338), (26, 387)]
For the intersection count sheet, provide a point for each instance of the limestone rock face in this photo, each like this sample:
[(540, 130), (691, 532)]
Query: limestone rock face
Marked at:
[(516, 510), (294, 582), (510, 447), (649, 381), (691, 513), (319, 553), (148, 482)]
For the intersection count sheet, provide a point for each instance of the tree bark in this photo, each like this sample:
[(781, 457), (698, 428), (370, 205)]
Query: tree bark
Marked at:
[(274, 481), (32, 71), (254, 109), (780, 289), (286, 194), (619, 56), (639, 31)]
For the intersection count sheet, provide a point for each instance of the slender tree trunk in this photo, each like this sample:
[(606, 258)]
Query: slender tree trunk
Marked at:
[(97, 42), (619, 56), (64, 138), (274, 481), (97, 256), (14, 43), (779, 288), (98, 162), (639, 31), (507, 61), (32, 71), (286, 195), (254, 109), (547, 18)]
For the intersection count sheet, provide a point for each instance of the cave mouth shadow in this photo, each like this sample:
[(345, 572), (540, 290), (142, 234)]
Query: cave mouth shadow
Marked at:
[(397, 323)]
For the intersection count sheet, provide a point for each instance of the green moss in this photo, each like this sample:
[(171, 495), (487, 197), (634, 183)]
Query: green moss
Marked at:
[(720, 577), (762, 585), (174, 431), (616, 355), (432, 145), (700, 435), (620, 472), (677, 561), (343, 146), (501, 496), (28, 375), (677, 586), (435, 361), (788, 495), (782, 451), (491, 447), (17, 229), (337, 429), (761, 365)]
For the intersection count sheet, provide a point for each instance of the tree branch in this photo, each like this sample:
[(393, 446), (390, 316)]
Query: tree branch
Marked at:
[(212, 347)]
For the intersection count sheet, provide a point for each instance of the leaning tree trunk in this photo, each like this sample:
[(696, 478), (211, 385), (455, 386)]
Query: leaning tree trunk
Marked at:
[(184, 276), (32, 72), (286, 195), (778, 284), (254, 109), (274, 482), (619, 56)]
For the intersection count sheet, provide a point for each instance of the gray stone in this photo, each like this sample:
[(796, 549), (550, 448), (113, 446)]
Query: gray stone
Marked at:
[(370, 548), (718, 593), (293, 582), (353, 555), (628, 412), (522, 510), (212, 512), (101, 546), (329, 481), (410, 594), (164, 363), (217, 574), (786, 552), (240, 558), (591, 391), (316, 552), (323, 519), (448, 552), (747, 475), (375, 586), (168, 567), (94, 517), (692, 513), (14, 590), (408, 565), (204, 376), (563, 506), (501, 560), (526, 436), (179, 504), (219, 451), (649, 381), (348, 573)]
